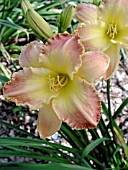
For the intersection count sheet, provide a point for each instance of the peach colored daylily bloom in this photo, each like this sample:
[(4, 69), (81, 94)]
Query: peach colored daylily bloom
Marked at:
[(57, 79), (104, 28)]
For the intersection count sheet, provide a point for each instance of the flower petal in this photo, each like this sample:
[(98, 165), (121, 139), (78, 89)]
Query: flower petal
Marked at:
[(62, 54), (30, 87), (118, 5), (48, 122), (85, 12), (29, 56), (114, 54), (93, 35), (115, 10), (78, 104), (123, 35), (94, 65)]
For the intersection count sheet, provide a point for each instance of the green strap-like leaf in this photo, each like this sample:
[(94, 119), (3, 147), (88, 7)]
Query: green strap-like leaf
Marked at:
[(24, 166), (34, 142), (3, 79), (124, 103), (16, 128), (9, 24), (92, 145)]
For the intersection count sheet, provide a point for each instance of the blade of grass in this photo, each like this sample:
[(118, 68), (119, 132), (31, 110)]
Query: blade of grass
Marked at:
[(72, 135), (50, 151), (24, 166), (97, 162), (3, 79), (121, 139), (124, 103), (35, 142), (4, 70), (53, 4), (9, 24), (50, 148), (92, 145), (6, 153), (13, 47)]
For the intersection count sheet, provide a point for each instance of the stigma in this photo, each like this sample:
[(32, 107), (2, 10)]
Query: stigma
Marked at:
[(55, 83), (112, 29)]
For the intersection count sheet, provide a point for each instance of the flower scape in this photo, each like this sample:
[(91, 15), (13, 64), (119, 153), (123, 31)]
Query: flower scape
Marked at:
[(58, 80)]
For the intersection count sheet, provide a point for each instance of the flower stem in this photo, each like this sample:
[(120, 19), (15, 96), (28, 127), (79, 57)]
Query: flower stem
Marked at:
[(109, 108), (109, 103)]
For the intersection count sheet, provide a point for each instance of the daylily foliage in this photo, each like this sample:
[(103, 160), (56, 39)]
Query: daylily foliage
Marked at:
[(104, 28), (57, 78)]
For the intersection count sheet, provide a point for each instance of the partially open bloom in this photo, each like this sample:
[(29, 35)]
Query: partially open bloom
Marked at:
[(58, 81), (104, 28)]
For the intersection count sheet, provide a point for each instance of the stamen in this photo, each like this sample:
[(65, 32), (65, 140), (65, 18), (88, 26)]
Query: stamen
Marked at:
[(112, 29), (57, 82)]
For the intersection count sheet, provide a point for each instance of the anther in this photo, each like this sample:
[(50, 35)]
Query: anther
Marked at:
[(112, 29), (57, 82)]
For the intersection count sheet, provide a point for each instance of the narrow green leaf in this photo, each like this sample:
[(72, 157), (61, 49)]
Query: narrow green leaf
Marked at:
[(4, 70), (53, 4), (16, 128), (52, 152), (13, 47), (92, 145), (3, 79), (105, 110), (121, 139), (72, 135), (18, 149), (6, 153), (124, 103), (24, 166), (9, 24), (7, 33), (35, 142)]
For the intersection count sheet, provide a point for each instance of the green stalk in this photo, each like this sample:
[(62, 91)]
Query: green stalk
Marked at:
[(109, 106), (111, 118), (109, 111), (122, 141), (124, 103)]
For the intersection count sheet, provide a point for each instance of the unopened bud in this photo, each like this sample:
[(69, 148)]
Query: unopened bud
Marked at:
[(65, 18), (25, 5), (97, 2), (36, 22)]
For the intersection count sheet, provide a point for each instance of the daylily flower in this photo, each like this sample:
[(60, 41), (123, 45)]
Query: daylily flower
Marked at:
[(104, 28), (57, 80)]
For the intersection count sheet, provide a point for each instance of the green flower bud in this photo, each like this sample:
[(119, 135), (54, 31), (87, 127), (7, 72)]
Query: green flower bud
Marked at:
[(36, 22), (25, 5), (97, 2), (65, 18)]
